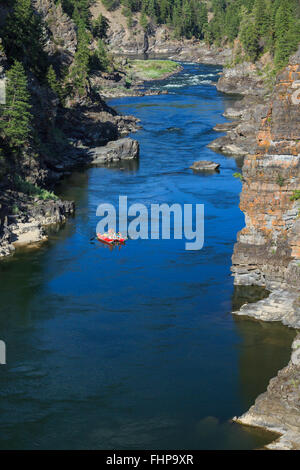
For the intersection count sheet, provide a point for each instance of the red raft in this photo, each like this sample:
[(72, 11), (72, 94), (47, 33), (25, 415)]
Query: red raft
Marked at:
[(108, 240)]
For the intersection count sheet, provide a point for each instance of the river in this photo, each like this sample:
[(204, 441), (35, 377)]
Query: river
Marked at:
[(137, 348)]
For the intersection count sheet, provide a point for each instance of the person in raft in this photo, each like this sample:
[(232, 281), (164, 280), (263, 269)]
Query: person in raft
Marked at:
[(113, 235)]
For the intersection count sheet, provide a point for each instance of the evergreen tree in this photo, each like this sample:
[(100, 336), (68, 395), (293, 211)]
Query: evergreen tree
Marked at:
[(287, 34), (144, 21), (100, 27), (79, 72), (187, 19), (100, 58), (16, 114), (261, 17), (23, 37), (202, 20), (53, 83), (164, 9), (248, 36), (232, 20)]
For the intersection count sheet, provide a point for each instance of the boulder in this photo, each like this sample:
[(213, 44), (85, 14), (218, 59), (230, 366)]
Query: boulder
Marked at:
[(205, 165), (115, 151)]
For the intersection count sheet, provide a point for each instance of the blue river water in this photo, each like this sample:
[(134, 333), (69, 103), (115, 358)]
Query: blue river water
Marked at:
[(136, 348)]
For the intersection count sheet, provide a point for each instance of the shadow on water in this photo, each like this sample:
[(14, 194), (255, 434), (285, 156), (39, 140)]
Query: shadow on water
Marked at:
[(266, 346), (247, 295)]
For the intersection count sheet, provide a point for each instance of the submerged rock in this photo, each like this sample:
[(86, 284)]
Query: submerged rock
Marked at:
[(205, 165)]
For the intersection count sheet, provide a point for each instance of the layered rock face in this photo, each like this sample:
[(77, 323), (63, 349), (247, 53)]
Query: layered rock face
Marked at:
[(156, 40), (60, 32), (268, 248), (247, 80)]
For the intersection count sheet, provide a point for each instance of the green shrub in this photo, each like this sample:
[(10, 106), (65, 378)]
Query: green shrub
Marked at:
[(33, 190), (238, 175), (280, 180), (111, 5), (296, 195)]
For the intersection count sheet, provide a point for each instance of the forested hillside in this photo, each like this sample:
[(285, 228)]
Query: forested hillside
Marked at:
[(260, 25), (46, 58), (51, 48)]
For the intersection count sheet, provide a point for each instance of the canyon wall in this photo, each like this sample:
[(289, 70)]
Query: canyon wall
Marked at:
[(156, 40), (268, 249)]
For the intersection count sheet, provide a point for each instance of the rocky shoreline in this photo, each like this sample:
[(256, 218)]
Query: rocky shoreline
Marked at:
[(96, 135), (244, 82), (277, 409), (24, 218)]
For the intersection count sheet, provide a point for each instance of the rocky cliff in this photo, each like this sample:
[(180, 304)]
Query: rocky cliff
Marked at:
[(156, 40), (268, 249), (249, 81), (60, 32)]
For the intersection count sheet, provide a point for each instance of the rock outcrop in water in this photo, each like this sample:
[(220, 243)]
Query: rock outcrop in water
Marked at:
[(205, 165), (120, 150), (246, 80), (268, 249)]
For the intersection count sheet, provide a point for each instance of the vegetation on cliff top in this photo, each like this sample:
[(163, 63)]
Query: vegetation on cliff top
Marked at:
[(34, 79), (259, 25)]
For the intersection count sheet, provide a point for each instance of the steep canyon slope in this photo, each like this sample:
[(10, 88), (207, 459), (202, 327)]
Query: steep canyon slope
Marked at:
[(64, 135), (267, 252)]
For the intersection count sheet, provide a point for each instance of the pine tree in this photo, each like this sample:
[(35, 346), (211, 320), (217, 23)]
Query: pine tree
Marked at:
[(187, 19), (202, 20), (287, 34), (23, 37), (53, 83), (101, 54), (164, 10), (100, 27), (80, 69), (151, 9), (16, 114), (232, 20), (144, 21), (248, 36), (262, 18)]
